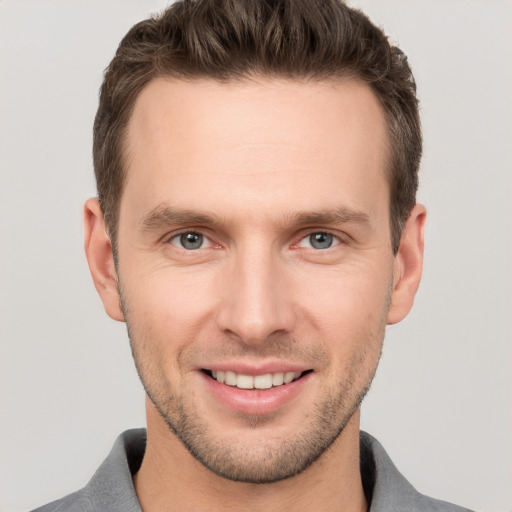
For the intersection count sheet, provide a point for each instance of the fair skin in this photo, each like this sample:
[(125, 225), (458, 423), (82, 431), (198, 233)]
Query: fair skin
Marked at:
[(254, 239)]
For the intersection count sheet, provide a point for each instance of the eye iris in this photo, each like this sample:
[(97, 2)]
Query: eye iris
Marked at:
[(191, 240), (321, 240)]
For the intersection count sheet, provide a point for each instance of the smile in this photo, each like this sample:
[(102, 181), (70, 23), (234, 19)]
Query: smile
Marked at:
[(255, 391), (265, 381)]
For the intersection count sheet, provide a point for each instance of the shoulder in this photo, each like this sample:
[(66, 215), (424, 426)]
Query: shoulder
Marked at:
[(387, 489), (76, 502), (427, 504), (111, 487)]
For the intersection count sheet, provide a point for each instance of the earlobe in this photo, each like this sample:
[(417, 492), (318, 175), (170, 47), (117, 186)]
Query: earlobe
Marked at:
[(408, 265), (98, 250)]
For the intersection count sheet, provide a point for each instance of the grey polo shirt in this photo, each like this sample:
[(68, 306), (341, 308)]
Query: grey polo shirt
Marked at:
[(111, 488)]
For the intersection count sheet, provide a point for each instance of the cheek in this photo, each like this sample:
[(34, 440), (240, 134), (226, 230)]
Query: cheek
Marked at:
[(349, 295), (346, 311), (169, 308), (163, 318)]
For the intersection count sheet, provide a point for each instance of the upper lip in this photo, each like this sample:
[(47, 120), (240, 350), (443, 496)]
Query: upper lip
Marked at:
[(246, 368)]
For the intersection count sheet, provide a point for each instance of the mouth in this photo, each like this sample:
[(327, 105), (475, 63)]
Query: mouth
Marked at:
[(264, 381)]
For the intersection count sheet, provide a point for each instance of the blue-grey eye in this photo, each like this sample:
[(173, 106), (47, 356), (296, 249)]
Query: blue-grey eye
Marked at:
[(321, 240), (191, 241)]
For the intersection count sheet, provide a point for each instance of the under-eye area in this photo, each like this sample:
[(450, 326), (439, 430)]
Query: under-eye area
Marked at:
[(265, 381)]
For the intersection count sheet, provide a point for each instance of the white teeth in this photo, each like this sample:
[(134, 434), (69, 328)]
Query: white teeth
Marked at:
[(288, 377), (245, 382), (265, 381), (230, 378), (277, 379)]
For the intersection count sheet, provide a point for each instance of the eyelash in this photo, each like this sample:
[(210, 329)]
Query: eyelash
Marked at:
[(177, 236), (336, 240)]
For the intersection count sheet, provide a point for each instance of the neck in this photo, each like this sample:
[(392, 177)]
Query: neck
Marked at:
[(171, 479)]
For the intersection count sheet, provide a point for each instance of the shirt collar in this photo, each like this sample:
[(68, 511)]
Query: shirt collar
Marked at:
[(111, 488)]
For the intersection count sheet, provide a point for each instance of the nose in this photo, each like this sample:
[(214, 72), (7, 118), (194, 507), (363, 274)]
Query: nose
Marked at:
[(256, 299)]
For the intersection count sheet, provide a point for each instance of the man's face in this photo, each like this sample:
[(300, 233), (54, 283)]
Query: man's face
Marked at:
[(254, 247)]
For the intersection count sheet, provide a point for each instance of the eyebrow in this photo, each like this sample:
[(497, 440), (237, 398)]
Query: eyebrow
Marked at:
[(341, 215), (164, 215)]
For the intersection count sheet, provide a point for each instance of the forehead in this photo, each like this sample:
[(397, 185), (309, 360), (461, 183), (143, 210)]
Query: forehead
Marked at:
[(260, 139)]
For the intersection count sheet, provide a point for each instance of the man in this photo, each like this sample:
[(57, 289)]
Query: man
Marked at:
[(256, 228)]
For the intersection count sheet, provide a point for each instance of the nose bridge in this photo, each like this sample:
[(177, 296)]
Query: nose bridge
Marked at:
[(257, 302)]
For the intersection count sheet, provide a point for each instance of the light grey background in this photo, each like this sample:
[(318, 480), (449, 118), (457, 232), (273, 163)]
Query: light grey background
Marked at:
[(442, 400)]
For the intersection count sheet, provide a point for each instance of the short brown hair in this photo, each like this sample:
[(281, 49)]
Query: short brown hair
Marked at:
[(232, 39)]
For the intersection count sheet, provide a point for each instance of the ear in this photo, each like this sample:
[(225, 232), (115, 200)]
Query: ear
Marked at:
[(408, 265), (98, 250)]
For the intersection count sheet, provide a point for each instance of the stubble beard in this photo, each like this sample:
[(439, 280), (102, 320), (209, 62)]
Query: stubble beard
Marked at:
[(270, 460)]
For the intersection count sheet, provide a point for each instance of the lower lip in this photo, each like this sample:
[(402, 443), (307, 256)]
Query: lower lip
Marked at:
[(255, 401)]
